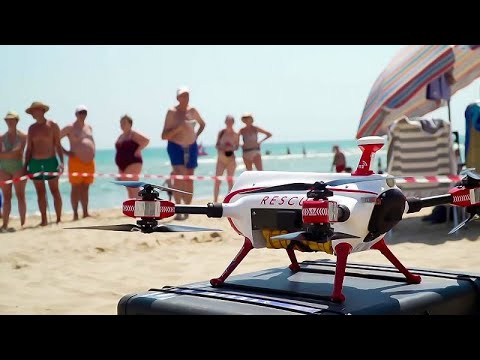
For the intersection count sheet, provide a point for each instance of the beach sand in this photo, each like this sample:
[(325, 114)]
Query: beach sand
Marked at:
[(52, 270)]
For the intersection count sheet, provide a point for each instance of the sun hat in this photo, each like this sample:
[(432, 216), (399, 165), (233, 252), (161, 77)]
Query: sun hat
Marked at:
[(12, 115), (37, 105)]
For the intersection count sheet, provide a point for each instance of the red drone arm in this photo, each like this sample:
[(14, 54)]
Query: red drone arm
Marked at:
[(161, 209), (458, 196)]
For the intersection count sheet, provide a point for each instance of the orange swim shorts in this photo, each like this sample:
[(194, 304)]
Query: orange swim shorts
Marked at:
[(76, 165)]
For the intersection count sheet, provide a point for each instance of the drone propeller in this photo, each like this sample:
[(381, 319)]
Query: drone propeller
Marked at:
[(160, 228), (471, 173), (472, 216), (303, 235), (306, 186), (137, 184)]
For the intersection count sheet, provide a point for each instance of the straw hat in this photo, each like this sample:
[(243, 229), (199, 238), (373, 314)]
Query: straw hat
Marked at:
[(12, 115), (37, 105), (246, 116)]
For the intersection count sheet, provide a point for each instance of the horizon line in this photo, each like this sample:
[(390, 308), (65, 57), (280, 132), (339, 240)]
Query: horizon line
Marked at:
[(270, 142)]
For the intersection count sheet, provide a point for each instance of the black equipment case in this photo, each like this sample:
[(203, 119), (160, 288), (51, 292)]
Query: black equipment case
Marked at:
[(369, 289)]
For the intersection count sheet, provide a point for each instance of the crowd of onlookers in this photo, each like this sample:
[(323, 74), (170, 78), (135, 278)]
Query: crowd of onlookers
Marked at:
[(39, 151)]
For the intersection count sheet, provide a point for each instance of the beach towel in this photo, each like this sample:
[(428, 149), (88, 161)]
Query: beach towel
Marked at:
[(472, 135)]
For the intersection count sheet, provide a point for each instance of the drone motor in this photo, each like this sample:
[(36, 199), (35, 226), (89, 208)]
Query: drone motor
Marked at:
[(319, 211), (155, 209)]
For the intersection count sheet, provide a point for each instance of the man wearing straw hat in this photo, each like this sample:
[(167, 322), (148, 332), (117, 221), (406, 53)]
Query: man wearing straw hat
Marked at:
[(43, 146)]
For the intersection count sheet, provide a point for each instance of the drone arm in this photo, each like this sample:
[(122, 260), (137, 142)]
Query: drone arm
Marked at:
[(417, 204), (211, 210)]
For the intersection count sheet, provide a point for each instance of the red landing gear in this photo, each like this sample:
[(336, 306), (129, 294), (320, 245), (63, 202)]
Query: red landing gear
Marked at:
[(382, 247), (246, 247), (341, 250), (293, 259)]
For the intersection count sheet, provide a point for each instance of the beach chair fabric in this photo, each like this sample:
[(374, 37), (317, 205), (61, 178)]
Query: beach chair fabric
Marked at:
[(421, 147)]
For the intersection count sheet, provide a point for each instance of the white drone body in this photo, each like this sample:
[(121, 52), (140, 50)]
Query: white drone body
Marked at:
[(359, 198)]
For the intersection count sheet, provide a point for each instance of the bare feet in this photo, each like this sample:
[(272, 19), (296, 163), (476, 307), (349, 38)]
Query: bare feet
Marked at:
[(75, 217), (43, 223), (59, 221), (86, 215)]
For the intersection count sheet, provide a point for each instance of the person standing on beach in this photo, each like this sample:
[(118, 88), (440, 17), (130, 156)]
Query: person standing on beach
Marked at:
[(227, 143), (80, 159), (12, 144), (338, 159), (182, 148), (128, 157), (251, 146), (43, 146)]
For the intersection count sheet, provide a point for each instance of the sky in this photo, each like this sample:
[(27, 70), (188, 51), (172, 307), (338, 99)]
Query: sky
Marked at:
[(299, 93)]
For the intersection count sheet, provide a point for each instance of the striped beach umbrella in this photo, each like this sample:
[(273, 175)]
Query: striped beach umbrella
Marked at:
[(401, 89)]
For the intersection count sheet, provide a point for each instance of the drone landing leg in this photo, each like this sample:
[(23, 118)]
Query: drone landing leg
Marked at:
[(246, 247), (341, 250), (382, 247), (293, 258)]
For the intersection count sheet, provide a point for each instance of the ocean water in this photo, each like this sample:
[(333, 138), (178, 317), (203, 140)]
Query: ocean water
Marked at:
[(104, 194)]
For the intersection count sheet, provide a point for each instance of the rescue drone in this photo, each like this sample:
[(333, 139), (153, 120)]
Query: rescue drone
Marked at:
[(335, 213)]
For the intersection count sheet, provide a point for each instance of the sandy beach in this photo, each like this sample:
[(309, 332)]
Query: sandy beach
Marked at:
[(52, 270)]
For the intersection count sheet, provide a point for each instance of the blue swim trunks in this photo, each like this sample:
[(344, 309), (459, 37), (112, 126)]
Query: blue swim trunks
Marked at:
[(186, 156)]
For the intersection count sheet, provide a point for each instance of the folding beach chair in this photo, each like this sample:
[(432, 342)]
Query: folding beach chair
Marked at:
[(420, 147)]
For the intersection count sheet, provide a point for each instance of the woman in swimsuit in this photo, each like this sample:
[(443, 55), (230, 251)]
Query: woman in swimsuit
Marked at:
[(227, 143), (251, 145), (12, 144), (128, 158)]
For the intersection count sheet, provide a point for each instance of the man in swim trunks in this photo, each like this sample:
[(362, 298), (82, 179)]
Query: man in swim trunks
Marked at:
[(338, 160), (43, 144), (179, 130), (80, 159)]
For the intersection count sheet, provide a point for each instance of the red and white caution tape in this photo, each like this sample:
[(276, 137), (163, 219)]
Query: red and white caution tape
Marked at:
[(428, 179), (118, 176), (402, 180)]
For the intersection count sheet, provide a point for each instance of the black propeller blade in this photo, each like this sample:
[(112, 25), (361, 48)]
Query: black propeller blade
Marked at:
[(284, 187), (160, 228), (137, 184), (303, 235), (122, 227), (306, 186), (472, 216), (181, 228)]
